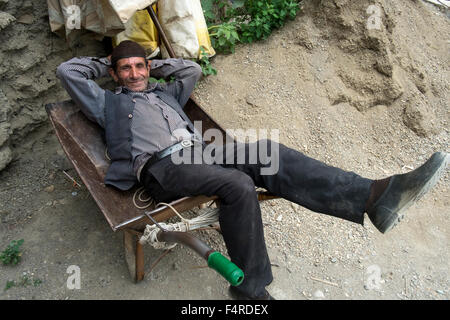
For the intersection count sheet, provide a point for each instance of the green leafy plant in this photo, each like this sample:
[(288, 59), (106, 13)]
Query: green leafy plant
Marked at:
[(154, 80), (208, 11), (224, 37), (207, 68), (10, 284), (245, 20), (12, 254), (266, 15), (216, 11), (25, 281)]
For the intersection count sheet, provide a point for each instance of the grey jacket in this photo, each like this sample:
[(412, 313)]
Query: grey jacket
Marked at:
[(114, 111), (119, 137)]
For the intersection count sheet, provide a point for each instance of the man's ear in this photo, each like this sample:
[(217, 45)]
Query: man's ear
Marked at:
[(148, 66), (112, 73)]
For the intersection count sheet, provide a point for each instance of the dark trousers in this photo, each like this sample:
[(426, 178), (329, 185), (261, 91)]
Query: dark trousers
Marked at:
[(300, 179)]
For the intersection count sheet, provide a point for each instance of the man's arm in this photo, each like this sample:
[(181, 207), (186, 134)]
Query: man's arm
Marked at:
[(185, 72), (77, 76)]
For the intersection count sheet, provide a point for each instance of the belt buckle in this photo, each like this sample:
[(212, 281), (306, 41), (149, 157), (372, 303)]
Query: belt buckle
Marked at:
[(186, 143)]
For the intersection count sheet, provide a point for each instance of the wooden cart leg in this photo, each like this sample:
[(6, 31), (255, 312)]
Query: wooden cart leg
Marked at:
[(139, 261), (134, 255)]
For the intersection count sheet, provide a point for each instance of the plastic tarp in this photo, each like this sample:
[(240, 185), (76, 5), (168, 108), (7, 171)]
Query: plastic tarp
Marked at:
[(141, 29), (185, 26), (105, 17), (182, 20)]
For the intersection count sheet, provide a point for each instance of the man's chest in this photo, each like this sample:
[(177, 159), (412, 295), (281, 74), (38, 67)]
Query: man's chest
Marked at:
[(150, 111)]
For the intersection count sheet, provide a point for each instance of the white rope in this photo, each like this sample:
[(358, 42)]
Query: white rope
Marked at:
[(106, 154), (138, 193), (205, 218)]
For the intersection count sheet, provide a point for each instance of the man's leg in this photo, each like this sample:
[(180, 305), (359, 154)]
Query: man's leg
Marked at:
[(333, 191), (240, 214), (303, 180)]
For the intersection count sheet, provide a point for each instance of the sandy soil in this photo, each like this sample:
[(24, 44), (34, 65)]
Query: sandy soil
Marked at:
[(370, 101)]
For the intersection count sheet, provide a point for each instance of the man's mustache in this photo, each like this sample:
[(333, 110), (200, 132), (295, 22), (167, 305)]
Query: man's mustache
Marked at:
[(131, 81)]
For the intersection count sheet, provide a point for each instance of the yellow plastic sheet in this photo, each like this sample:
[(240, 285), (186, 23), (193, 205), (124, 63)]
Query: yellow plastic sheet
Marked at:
[(202, 30), (141, 29)]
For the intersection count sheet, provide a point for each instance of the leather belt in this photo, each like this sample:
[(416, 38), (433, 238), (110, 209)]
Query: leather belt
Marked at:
[(168, 151)]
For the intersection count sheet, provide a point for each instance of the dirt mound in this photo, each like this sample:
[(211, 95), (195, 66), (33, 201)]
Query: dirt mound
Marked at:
[(379, 52)]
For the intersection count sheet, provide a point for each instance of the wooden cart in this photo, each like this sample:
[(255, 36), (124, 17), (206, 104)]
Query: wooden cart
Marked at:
[(82, 142)]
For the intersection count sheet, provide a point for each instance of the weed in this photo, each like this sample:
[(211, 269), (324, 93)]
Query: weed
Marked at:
[(25, 281), (36, 282), (154, 80), (207, 68), (245, 20), (10, 284), (12, 254), (224, 37)]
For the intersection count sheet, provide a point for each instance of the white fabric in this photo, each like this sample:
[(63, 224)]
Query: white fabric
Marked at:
[(105, 17), (177, 20), (126, 9)]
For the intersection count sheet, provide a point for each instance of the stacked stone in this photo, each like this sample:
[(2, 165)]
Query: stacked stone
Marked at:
[(29, 56)]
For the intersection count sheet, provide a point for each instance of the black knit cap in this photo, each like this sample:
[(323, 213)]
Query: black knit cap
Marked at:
[(126, 49)]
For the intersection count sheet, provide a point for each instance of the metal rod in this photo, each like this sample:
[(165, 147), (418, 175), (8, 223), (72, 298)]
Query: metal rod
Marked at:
[(154, 221), (188, 240), (161, 32), (133, 221)]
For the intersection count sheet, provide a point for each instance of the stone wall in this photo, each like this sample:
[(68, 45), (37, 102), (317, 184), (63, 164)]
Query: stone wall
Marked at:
[(29, 55)]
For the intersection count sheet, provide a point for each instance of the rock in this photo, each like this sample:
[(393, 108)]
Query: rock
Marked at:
[(49, 189), (295, 206), (5, 20), (26, 19), (4, 110), (3, 3), (4, 132), (5, 107), (256, 102), (419, 117), (385, 64), (318, 294), (176, 266), (5, 157)]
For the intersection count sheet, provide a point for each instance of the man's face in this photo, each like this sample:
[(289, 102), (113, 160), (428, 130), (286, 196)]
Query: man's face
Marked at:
[(132, 73)]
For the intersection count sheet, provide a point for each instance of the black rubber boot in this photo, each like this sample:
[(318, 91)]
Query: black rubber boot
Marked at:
[(404, 190), (236, 294)]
